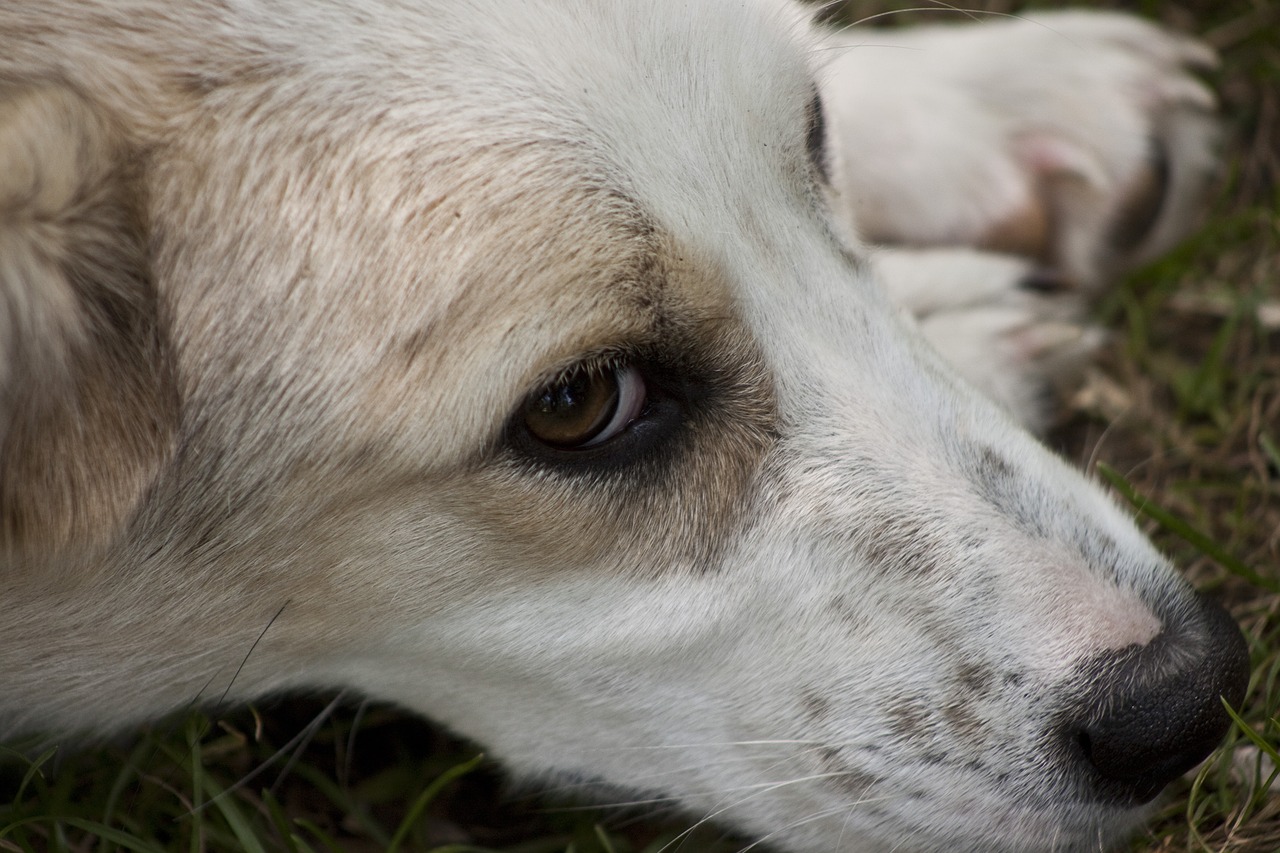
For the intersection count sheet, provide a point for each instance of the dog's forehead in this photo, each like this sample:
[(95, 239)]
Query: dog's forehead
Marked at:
[(490, 194), (696, 110), (691, 110), (688, 109)]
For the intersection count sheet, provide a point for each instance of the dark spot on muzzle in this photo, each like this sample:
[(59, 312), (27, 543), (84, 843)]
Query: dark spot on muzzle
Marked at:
[(1150, 713)]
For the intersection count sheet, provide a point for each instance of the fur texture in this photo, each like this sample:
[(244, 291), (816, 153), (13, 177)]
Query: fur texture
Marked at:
[(279, 279)]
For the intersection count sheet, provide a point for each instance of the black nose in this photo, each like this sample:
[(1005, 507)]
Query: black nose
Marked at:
[(1153, 712)]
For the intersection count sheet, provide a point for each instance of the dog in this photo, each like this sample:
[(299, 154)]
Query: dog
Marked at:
[(530, 367)]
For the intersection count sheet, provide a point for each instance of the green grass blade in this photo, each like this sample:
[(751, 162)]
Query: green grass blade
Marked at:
[(1264, 746), (281, 821), (100, 830), (197, 786), (1185, 531), (319, 835), (347, 804), (1247, 730), (34, 770), (1269, 447), (605, 841), (424, 799), (229, 808)]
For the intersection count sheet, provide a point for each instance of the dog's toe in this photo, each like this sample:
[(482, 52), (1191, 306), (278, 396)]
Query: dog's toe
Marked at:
[(1015, 355), (1015, 331)]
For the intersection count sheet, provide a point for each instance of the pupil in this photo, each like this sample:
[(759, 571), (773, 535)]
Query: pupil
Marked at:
[(573, 411), (562, 399)]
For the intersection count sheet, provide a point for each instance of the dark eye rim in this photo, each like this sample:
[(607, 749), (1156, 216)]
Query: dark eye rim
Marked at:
[(815, 138)]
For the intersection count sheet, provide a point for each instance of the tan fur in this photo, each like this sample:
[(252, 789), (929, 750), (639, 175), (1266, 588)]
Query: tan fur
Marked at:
[(1026, 233), (87, 404)]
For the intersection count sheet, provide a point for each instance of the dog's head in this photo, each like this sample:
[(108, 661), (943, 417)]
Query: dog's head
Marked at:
[(506, 365)]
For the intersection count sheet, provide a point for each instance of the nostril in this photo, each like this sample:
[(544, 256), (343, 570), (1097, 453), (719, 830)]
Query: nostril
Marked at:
[(1155, 712), (1135, 755)]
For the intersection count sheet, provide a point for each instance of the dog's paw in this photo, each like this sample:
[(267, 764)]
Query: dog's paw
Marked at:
[(1015, 332), (1082, 140)]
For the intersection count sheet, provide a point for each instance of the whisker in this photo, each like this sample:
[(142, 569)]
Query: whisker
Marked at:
[(570, 787), (938, 6), (302, 737), (308, 732), (715, 744), (618, 804), (344, 772), (195, 700), (759, 788), (844, 824), (674, 799), (941, 6), (249, 653), (844, 807)]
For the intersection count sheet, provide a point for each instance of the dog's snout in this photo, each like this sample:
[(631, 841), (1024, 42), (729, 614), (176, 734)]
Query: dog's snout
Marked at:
[(1153, 712)]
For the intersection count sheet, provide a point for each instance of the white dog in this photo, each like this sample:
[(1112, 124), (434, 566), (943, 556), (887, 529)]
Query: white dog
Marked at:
[(519, 364)]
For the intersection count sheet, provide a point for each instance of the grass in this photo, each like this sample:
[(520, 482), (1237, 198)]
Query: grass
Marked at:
[(1181, 415), (365, 779)]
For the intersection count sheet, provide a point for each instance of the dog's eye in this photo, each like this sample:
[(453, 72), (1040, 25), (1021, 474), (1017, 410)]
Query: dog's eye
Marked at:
[(586, 407)]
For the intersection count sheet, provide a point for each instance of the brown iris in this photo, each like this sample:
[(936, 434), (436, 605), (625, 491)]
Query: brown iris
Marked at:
[(574, 411)]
